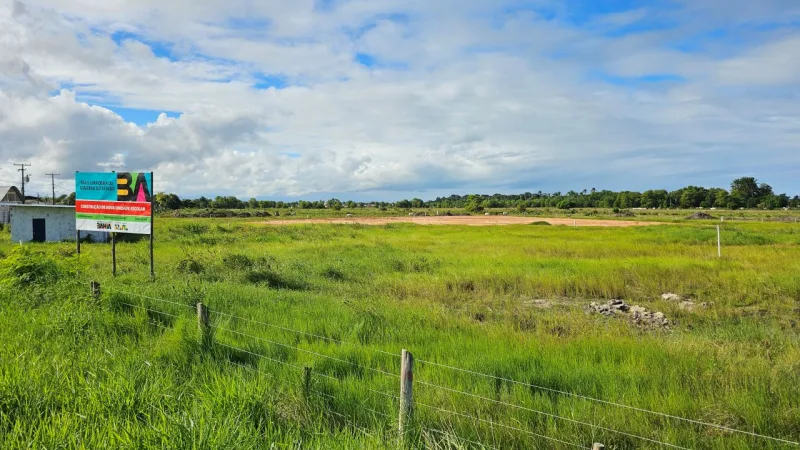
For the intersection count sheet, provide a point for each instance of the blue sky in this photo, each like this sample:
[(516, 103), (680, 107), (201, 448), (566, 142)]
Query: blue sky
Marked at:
[(385, 99)]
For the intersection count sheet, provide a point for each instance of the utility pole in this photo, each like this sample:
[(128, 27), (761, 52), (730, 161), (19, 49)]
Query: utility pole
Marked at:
[(22, 169), (53, 183)]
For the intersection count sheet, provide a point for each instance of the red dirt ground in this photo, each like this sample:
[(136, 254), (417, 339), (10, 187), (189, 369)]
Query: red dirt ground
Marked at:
[(465, 220)]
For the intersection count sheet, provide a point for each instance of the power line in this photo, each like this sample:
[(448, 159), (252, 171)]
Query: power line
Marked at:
[(605, 402)]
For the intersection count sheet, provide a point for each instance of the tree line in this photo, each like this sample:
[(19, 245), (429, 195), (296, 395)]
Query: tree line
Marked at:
[(744, 192)]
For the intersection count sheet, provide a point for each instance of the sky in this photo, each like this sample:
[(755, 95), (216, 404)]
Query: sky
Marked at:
[(391, 99)]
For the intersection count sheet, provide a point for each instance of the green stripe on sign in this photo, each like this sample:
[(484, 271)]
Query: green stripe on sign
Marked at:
[(109, 218)]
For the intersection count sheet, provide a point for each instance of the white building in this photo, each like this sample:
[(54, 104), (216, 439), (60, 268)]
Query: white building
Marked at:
[(47, 223)]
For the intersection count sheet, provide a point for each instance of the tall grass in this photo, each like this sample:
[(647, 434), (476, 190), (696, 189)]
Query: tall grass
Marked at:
[(79, 372)]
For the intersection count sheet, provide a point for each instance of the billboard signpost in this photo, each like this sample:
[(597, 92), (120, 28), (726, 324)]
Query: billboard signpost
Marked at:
[(116, 202)]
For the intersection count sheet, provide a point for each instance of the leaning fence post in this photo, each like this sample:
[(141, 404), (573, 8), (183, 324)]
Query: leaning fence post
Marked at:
[(598, 446), (95, 288), (202, 323), (307, 381), (406, 395)]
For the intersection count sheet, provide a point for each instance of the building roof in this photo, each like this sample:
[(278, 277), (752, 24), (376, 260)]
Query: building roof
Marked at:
[(35, 205), (4, 190)]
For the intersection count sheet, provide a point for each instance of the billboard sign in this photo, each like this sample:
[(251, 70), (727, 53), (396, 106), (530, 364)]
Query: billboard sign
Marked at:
[(118, 202)]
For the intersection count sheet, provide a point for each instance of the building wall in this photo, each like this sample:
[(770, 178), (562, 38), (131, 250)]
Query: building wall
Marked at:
[(59, 224)]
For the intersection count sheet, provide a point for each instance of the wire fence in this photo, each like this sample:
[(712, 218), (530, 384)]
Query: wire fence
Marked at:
[(382, 374)]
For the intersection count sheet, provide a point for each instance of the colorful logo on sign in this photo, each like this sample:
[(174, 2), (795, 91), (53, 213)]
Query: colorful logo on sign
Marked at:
[(133, 187)]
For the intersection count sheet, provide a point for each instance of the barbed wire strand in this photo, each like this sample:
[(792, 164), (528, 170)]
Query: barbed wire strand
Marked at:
[(304, 333), (500, 425), (154, 311), (382, 372), (351, 421), (316, 391), (291, 330), (259, 355), (571, 394), (445, 433), (553, 416), (154, 298), (619, 405)]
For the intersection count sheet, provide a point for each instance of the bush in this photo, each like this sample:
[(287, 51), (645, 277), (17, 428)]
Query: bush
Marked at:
[(566, 204), (332, 273), (190, 265), (191, 228), (237, 261), (473, 207), (271, 279), (24, 267)]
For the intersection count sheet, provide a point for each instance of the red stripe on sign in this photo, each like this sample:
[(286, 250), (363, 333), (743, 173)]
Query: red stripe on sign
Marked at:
[(115, 208)]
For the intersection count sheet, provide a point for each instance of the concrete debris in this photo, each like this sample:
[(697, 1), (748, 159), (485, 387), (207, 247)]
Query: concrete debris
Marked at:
[(670, 297), (538, 303), (649, 319), (639, 315), (690, 306), (611, 308)]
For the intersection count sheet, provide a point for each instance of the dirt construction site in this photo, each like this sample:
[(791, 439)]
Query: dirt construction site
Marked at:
[(465, 220)]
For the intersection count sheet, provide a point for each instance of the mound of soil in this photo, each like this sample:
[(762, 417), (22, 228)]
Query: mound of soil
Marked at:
[(701, 216)]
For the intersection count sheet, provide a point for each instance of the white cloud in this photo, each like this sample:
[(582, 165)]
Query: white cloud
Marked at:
[(462, 97)]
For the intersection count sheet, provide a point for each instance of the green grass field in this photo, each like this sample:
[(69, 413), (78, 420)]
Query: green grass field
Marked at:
[(76, 372)]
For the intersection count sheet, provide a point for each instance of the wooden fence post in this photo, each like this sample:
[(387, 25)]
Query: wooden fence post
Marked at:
[(406, 393), (202, 323), (307, 382), (598, 446), (95, 288)]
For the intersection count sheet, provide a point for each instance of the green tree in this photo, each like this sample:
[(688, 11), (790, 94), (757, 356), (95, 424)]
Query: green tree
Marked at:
[(746, 192), (335, 204), (168, 201)]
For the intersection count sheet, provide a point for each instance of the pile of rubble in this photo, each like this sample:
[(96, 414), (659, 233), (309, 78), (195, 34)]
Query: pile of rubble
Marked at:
[(684, 303), (701, 216), (639, 315)]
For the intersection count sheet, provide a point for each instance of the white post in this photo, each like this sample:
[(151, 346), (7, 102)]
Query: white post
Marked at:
[(719, 244)]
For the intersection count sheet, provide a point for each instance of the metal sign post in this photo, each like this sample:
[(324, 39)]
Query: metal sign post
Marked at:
[(152, 212)]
